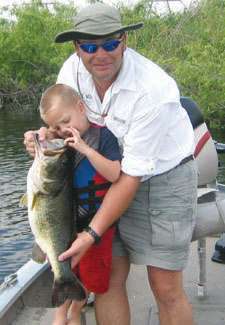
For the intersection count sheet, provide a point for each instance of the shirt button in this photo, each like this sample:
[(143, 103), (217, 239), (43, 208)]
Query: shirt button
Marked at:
[(154, 213), (151, 167)]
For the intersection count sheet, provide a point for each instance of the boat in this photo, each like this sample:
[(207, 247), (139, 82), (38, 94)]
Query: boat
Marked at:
[(25, 296), (220, 147)]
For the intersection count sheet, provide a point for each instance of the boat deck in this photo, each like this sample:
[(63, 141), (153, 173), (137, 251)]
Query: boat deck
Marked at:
[(207, 311)]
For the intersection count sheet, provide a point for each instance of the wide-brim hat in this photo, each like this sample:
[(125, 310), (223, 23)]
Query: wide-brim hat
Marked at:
[(96, 21)]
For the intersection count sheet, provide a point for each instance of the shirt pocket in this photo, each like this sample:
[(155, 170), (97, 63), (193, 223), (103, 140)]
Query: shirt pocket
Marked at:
[(118, 125), (171, 234)]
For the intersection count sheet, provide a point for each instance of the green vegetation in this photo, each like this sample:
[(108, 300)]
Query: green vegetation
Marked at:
[(190, 46), (29, 58)]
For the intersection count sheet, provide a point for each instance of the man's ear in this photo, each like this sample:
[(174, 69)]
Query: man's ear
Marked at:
[(76, 48), (124, 41)]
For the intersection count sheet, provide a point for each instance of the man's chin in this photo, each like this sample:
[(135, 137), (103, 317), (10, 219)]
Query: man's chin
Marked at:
[(104, 76)]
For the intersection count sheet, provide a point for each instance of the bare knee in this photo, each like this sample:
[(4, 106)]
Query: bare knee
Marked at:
[(119, 273), (168, 297), (167, 286), (112, 307)]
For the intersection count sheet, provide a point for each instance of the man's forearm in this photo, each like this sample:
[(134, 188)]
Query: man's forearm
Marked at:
[(115, 202)]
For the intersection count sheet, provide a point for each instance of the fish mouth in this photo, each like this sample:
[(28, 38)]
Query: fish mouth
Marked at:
[(48, 147)]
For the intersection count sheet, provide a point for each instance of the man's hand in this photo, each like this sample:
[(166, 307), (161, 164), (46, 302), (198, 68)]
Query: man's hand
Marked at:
[(78, 248)]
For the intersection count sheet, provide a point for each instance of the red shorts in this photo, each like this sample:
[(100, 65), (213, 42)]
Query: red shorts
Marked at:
[(94, 268)]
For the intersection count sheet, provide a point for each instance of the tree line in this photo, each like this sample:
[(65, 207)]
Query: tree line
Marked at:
[(190, 46)]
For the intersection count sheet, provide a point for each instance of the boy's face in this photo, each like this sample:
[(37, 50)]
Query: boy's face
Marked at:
[(60, 119)]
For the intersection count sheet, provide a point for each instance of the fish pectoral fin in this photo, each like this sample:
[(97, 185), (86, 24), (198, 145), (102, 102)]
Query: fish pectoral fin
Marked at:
[(34, 199), (23, 201), (37, 254)]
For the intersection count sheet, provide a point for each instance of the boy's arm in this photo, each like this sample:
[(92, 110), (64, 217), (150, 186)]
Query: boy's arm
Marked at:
[(109, 169)]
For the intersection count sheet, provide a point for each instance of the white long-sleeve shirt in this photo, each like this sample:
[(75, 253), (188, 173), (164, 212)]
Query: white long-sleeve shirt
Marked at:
[(144, 113)]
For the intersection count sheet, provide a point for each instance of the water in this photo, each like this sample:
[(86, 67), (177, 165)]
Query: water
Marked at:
[(15, 236)]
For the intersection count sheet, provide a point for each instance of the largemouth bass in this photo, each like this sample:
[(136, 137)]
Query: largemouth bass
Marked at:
[(50, 213)]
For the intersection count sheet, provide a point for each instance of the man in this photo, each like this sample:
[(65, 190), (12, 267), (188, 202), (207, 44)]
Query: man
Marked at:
[(140, 104)]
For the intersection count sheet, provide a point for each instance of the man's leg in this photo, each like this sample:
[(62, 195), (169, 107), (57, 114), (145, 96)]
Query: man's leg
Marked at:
[(112, 307), (167, 287)]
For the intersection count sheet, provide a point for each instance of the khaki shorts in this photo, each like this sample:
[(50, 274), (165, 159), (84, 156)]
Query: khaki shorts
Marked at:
[(157, 227)]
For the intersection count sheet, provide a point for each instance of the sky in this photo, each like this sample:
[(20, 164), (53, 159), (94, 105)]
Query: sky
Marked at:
[(175, 5)]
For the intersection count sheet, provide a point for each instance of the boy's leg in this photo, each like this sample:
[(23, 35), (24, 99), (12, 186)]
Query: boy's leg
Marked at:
[(112, 307), (167, 287), (60, 316), (74, 314)]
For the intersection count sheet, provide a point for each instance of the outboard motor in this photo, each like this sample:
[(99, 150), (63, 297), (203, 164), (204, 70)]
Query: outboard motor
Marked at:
[(211, 202), (205, 150)]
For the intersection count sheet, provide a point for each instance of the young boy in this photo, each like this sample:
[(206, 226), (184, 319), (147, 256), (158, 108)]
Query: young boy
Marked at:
[(62, 109)]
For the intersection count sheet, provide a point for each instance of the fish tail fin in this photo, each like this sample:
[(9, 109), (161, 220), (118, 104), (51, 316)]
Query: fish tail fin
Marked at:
[(69, 289)]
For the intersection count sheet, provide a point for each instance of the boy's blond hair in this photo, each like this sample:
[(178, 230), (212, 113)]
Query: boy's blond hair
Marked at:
[(58, 95)]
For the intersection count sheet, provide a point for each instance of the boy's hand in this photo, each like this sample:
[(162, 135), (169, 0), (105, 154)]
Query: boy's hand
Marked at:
[(76, 142), (43, 133)]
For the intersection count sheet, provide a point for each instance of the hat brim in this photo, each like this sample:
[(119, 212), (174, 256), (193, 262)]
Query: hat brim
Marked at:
[(73, 35)]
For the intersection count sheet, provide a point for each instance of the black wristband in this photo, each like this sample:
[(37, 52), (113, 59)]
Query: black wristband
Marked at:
[(91, 231)]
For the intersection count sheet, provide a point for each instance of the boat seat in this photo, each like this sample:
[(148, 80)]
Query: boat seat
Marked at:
[(205, 151), (193, 111)]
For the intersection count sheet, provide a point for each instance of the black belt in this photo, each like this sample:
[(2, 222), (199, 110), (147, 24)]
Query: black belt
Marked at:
[(186, 159), (183, 161)]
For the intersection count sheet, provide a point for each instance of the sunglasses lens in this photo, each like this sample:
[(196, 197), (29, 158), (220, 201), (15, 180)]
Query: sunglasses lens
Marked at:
[(89, 47), (108, 46), (111, 45)]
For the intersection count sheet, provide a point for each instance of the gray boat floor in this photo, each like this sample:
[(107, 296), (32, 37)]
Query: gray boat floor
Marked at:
[(207, 311)]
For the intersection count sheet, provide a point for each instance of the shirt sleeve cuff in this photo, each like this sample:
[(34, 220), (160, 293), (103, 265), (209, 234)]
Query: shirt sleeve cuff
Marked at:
[(138, 167)]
